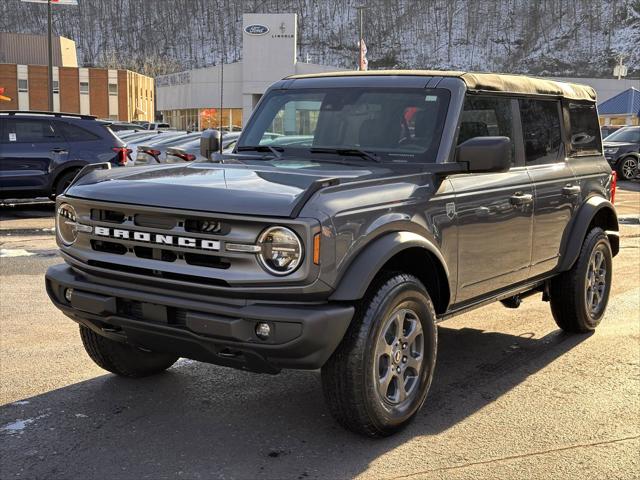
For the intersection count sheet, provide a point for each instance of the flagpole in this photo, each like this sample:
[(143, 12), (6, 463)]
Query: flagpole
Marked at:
[(360, 9)]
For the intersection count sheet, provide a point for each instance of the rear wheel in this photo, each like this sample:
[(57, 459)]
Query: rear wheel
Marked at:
[(123, 359), (379, 376), (579, 296), (628, 168), (62, 182)]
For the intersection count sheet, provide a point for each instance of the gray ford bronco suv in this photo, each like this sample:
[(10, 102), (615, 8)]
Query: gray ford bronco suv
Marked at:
[(357, 210)]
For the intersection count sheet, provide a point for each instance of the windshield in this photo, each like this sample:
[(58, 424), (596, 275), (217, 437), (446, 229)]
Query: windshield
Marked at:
[(631, 135), (395, 124)]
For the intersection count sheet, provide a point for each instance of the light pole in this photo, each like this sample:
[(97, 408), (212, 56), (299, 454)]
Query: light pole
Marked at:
[(50, 47)]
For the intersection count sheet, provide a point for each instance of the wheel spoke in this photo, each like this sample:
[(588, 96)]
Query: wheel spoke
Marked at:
[(414, 362), (416, 329), (382, 346), (384, 382), (402, 393)]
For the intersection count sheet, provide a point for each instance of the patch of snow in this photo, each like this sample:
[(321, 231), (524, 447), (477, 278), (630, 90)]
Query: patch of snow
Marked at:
[(14, 252), (19, 425)]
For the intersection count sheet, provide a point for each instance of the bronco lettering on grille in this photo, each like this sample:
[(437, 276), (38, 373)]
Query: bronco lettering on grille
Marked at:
[(157, 238)]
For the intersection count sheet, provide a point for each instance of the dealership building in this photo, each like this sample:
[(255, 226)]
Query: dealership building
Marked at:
[(191, 99)]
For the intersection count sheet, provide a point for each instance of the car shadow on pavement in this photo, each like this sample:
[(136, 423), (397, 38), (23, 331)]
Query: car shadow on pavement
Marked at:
[(203, 421)]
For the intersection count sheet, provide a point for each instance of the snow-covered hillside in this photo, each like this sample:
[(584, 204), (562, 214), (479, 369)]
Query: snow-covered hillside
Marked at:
[(550, 37)]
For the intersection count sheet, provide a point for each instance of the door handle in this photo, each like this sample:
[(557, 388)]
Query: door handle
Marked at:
[(483, 211), (521, 199), (571, 190), (59, 150)]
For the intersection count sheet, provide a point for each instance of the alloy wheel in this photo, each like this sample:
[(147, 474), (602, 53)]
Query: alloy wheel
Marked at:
[(596, 284), (399, 355)]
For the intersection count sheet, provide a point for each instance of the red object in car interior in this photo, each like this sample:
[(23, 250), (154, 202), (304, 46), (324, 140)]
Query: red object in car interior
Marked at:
[(153, 152)]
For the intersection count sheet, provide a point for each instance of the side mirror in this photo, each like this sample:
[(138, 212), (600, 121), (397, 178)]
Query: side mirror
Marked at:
[(485, 154), (210, 143)]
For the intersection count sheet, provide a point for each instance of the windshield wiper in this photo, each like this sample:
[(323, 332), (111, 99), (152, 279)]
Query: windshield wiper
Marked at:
[(262, 148), (348, 152)]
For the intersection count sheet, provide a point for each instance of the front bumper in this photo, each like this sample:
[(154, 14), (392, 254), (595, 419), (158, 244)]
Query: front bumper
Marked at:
[(303, 335)]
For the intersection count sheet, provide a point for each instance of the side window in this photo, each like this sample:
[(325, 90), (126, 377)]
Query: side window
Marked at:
[(487, 117), (541, 131), (584, 128), (29, 131), (73, 133)]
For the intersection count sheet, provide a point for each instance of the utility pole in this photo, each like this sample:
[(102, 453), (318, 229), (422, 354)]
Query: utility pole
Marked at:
[(50, 47), (221, 95)]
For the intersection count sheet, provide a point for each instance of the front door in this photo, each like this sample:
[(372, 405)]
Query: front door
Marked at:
[(494, 210), (30, 149)]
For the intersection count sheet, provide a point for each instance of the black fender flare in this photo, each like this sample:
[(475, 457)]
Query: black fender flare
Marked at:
[(594, 206), (369, 261)]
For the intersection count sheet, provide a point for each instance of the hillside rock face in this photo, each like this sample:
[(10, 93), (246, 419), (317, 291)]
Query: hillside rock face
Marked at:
[(542, 37)]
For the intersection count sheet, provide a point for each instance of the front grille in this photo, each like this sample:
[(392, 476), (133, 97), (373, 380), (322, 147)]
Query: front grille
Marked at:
[(187, 246)]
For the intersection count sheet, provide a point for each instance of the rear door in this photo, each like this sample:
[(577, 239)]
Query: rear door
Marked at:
[(556, 191), (30, 150), (494, 210)]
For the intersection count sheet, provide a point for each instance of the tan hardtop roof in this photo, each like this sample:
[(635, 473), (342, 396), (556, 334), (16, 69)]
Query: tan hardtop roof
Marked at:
[(483, 82)]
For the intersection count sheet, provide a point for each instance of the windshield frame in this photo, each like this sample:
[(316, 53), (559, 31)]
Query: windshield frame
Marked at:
[(430, 155)]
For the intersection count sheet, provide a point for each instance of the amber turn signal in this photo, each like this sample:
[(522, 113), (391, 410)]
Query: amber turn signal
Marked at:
[(316, 249)]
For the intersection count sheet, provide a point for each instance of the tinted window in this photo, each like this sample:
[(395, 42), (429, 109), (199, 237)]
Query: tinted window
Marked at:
[(28, 131), (74, 133), (541, 131), (585, 128), (486, 117), (631, 135)]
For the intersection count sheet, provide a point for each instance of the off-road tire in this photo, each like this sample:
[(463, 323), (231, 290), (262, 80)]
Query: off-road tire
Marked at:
[(348, 377), (628, 168), (568, 291), (123, 359), (62, 182)]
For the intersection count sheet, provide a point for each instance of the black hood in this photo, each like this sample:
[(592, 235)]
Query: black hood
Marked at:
[(272, 189)]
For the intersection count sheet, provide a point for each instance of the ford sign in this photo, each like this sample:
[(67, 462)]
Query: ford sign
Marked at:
[(256, 29)]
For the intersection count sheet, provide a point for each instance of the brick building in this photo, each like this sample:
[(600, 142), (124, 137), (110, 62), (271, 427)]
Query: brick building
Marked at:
[(106, 93)]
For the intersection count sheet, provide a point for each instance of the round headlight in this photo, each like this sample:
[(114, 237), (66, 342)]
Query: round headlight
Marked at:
[(66, 224), (281, 250)]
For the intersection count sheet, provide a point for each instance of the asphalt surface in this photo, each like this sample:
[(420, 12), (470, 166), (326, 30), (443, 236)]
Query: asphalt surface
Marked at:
[(513, 397)]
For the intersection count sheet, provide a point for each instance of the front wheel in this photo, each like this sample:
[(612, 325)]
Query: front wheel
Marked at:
[(378, 378), (122, 359), (579, 296), (628, 168)]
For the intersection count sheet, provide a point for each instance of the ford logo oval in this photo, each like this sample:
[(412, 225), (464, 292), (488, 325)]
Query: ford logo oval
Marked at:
[(256, 29)]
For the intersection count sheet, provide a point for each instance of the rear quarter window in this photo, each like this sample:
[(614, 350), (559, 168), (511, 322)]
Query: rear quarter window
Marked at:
[(584, 128), (74, 133)]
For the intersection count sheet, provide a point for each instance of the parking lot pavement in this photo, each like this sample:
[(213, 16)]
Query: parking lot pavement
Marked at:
[(512, 397)]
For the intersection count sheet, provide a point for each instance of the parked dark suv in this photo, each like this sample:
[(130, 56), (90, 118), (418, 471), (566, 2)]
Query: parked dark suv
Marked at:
[(622, 151), (400, 200), (40, 153)]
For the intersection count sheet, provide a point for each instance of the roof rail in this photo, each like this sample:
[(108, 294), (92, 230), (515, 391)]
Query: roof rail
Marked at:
[(53, 114)]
